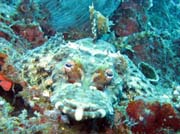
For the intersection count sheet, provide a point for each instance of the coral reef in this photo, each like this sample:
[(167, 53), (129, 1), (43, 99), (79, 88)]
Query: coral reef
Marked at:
[(20, 123), (5, 83), (156, 43), (62, 78), (56, 76), (31, 33), (9, 77), (131, 17), (149, 47), (153, 117), (24, 25)]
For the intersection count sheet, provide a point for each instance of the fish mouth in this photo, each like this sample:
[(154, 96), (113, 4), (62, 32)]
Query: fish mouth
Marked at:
[(82, 104), (79, 111)]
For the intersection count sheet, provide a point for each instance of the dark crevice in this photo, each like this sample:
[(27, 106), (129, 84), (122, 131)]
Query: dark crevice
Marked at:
[(16, 101)]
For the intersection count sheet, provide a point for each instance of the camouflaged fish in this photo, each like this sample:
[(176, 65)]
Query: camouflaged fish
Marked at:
[(87, 78)]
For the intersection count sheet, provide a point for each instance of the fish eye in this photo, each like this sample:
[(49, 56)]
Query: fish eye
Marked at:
[(109, 73), (68, 65)]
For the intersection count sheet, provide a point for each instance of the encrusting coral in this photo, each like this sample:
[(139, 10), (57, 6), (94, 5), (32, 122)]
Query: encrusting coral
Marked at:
[(152, 117)]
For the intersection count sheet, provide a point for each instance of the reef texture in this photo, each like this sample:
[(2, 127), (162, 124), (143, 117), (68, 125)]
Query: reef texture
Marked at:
[(106, 67), (87, 89)]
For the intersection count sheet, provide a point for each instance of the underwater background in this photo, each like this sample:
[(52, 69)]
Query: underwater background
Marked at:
[(90, 66)]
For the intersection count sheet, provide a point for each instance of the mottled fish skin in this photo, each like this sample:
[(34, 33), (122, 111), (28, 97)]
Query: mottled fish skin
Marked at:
[(82, 99)]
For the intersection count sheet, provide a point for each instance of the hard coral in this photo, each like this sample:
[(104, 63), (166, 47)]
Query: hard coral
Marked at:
[(152, 117)]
